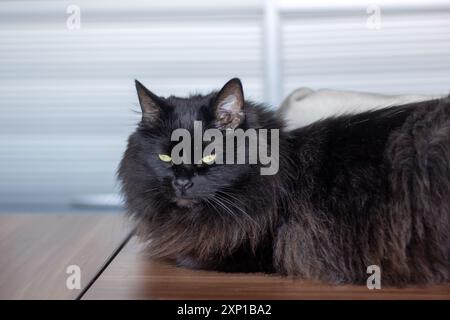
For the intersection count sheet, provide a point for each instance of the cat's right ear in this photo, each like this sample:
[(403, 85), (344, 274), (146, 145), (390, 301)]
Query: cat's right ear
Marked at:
[(150, 103)]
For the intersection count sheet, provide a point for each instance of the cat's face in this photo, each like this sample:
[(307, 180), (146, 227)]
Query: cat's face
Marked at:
[(185, 184)]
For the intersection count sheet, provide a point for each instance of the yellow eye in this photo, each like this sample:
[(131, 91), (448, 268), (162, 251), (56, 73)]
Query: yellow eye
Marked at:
[(164, 157), (209, 159)]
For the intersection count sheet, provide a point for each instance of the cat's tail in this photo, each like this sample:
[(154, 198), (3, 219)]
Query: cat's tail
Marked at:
[(419, 155)]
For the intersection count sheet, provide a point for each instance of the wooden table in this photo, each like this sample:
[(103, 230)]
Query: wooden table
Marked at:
[(35, 251)]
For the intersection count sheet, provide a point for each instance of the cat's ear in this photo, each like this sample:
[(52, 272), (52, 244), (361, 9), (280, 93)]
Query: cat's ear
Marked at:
[(229, 105), (150, 103)]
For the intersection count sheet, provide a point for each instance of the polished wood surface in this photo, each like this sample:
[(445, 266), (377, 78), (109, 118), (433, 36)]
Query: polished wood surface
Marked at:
[(36, 249), (133, 276)]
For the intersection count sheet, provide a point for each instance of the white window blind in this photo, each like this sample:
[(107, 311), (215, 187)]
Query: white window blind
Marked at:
[(67, 99), (333, 47)]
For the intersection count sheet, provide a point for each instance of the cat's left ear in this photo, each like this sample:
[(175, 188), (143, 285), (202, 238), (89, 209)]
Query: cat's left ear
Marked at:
[(229, 105)]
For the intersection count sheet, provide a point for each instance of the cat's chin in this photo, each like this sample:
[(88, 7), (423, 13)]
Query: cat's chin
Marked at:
[(185, 202)]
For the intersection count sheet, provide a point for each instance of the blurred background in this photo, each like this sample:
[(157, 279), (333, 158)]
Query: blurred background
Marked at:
[(67, 100)]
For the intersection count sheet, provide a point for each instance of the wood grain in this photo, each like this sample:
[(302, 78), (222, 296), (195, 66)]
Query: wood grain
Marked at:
[(133, 276), (36, 249)]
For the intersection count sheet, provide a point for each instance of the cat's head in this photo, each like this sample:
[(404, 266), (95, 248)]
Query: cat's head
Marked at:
[(148, 173)]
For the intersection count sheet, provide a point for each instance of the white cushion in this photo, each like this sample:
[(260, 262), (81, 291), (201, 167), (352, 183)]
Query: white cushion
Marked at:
[(304, 105)]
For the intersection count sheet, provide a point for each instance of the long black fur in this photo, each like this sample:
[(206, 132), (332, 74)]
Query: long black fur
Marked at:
[(352, 191)]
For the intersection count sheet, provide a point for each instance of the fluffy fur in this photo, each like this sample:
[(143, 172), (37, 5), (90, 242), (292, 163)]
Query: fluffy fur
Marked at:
[(352, 191)]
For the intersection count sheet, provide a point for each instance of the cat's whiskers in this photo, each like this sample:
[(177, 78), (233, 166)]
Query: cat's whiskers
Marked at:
[(233, 205), (227, 210), (225, 194), (150, 190)]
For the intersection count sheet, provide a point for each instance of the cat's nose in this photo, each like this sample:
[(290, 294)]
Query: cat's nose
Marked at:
[(182, 184)]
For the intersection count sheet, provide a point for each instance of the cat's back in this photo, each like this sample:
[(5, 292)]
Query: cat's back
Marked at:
[(365, 137), (353, 156)]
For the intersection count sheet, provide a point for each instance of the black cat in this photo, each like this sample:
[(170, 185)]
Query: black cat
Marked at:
[(351, 191)]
